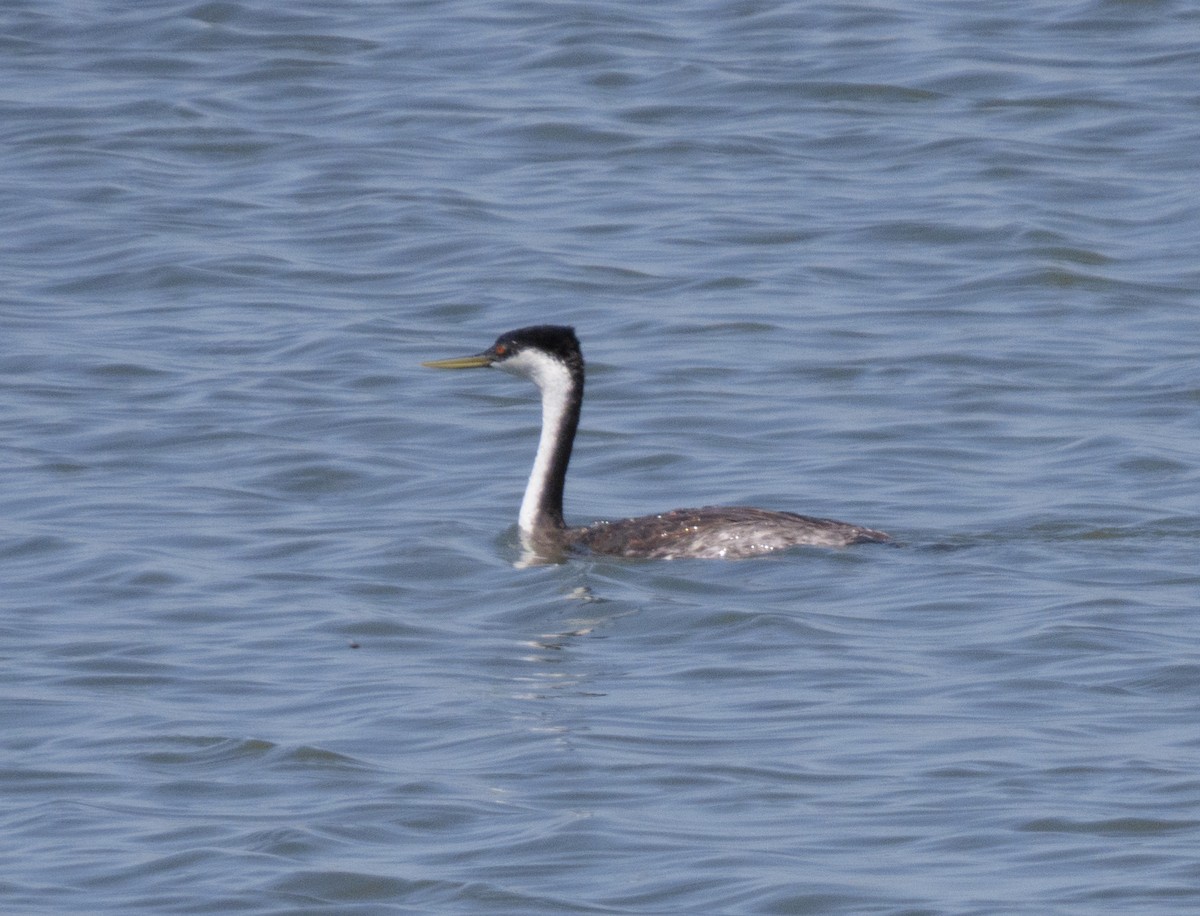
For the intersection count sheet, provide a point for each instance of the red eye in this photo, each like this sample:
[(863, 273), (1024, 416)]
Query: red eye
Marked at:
[(501, 349)]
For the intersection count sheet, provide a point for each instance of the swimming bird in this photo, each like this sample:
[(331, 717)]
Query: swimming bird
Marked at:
[(550, 356)]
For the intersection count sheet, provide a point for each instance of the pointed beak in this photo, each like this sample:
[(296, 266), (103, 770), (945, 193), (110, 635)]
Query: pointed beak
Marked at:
[(479, 361)]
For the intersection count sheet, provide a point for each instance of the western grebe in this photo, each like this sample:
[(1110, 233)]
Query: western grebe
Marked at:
[(549, 355)]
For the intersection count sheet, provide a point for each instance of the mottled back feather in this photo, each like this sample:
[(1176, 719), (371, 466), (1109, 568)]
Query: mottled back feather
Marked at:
[(715, 532)]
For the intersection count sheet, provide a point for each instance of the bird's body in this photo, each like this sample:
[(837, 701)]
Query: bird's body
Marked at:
[(550, 356), (711, 532)]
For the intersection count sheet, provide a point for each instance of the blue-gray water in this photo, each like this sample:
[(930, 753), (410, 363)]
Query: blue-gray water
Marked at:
[(930, 267)]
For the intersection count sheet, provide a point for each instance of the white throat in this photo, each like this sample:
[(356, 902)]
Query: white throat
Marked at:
[(554, 380)]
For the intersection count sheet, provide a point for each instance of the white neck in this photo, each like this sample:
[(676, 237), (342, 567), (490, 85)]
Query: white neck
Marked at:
[(554, 449)]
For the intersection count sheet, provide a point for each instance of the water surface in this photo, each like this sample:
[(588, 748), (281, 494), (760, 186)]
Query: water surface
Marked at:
[(925, 267)]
